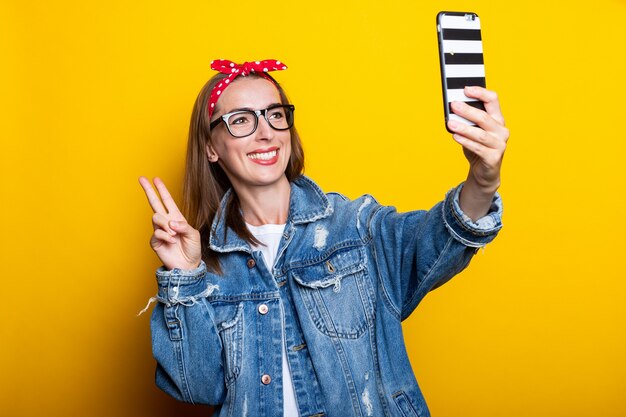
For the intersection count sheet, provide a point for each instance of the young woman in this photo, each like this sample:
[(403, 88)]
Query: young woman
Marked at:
[(276, 299)]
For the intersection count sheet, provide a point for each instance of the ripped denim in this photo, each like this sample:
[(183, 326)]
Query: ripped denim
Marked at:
[(346, 274)]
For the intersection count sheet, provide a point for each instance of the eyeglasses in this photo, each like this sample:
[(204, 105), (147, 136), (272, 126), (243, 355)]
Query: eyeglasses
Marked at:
[(243, 123)]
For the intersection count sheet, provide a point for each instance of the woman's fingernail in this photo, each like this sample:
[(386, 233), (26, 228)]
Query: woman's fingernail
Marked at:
[(452, 124)]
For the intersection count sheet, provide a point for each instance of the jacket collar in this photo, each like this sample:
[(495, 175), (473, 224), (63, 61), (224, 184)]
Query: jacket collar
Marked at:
[(307, 203)]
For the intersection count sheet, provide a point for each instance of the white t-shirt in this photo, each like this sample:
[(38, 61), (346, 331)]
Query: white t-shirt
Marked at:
[(270, 235)]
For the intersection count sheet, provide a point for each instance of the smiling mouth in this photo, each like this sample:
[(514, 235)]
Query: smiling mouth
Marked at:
[(264, 156)]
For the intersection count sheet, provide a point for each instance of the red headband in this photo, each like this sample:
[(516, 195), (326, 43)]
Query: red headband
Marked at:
[(235, 70)]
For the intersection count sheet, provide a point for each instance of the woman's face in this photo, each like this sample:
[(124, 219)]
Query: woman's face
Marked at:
[(261, 158)]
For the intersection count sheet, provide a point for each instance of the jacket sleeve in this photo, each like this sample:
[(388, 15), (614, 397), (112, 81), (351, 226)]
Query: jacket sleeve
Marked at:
[(185, 339), (418, 251)]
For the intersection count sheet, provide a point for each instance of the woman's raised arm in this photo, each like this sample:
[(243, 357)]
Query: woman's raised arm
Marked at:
[(483, 146)]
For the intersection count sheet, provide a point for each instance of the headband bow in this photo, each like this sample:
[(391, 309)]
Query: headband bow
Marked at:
[(235, 70)]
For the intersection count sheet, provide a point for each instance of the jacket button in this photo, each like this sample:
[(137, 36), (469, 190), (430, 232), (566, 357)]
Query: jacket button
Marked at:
[(251, 263), (263, 309), (266, 379)]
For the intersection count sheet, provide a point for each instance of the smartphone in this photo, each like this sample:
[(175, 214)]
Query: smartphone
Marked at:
[(461, 60)]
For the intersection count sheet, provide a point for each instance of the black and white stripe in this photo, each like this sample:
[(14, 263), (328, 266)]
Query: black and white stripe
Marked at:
[(462, 52)]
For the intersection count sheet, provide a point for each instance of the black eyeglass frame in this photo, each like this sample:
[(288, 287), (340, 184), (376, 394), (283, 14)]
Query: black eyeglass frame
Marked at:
[(224, 118)]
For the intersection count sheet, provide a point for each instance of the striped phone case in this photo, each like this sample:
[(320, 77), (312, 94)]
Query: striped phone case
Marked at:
[(461, 59)]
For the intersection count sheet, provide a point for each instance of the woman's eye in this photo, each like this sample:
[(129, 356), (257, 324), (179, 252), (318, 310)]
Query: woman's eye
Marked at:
[(238, 120), (276, 114)]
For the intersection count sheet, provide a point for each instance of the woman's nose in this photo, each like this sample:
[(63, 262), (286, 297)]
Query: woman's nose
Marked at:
[(264, 131)]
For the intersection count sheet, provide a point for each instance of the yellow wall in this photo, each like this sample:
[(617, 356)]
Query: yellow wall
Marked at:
[(94, 94)]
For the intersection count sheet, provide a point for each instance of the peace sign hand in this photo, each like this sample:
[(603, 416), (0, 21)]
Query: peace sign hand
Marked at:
[(175, 242)]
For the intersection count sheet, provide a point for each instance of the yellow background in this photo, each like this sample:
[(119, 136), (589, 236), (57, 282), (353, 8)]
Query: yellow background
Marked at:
[(94, 94)]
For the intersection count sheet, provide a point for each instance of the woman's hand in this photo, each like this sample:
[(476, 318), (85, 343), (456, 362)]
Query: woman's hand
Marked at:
[(175, 242), (483, 146)]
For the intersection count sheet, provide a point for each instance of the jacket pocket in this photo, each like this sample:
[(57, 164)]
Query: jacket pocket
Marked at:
[(231, 333), (336, 293), (406, 407)]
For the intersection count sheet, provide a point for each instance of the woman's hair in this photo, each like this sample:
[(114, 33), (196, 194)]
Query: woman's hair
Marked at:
[(206, 183)]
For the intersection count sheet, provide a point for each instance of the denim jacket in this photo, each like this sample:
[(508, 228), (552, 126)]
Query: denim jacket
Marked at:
[(345, 276)]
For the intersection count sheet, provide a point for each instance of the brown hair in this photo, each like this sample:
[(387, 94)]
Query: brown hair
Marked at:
[(206, 183)]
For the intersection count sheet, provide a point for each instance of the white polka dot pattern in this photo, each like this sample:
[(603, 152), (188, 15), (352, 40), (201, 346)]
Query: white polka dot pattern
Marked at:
[(235, 70)]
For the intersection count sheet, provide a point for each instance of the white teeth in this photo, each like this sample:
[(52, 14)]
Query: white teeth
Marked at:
[(263, 155)]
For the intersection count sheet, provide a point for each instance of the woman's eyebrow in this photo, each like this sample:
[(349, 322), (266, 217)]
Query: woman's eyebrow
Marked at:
[(240, 109), (251, 109)]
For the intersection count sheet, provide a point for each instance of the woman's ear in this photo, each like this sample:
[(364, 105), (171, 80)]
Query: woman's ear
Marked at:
[(211, 154)]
